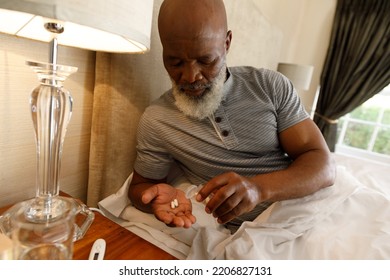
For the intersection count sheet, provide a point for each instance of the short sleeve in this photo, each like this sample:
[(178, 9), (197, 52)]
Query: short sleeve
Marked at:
[(289, 107), (152, 161)]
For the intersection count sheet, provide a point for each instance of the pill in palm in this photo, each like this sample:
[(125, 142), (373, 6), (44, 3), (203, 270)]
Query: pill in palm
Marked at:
[(174, 203)]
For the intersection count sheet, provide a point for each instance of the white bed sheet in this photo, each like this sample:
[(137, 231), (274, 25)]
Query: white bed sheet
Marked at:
[(350, 220)]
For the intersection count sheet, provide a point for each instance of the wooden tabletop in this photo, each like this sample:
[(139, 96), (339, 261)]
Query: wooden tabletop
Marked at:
[(121, 244)]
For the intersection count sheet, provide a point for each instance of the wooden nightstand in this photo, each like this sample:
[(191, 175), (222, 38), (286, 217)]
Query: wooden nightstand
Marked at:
[(121, 244)]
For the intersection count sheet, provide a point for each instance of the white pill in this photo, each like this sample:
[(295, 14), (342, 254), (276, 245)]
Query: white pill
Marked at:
[(192, 191)]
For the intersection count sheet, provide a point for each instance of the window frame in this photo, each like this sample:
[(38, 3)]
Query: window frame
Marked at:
[(367, 153)]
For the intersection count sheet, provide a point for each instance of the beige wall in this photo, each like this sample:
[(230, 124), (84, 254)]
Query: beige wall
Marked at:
[(306, 26), (291, 31), (17, 140)]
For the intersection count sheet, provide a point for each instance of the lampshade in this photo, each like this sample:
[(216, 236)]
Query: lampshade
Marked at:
[(112, 26), (299, 75)]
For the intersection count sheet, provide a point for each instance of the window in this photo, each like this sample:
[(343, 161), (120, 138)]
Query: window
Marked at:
[(366, 130)]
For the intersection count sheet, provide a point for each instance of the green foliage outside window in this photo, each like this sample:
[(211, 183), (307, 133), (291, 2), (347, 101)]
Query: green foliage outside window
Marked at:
[(365, 113), (382, 143), (358, 135), (386, 117), (361, 127)]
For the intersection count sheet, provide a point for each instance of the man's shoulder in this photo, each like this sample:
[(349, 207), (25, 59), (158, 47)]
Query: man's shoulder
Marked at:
[(252, 76), (160, 106), (250, 70), (162, 101)]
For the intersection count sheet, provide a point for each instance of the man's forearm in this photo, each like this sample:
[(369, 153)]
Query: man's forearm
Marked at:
[(307, 174)]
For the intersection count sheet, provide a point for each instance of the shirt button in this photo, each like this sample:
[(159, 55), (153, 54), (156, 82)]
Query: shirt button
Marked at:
[(218, 119), (225, 133)]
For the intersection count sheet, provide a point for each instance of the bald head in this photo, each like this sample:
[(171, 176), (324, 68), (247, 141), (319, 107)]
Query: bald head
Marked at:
[(189, 19)]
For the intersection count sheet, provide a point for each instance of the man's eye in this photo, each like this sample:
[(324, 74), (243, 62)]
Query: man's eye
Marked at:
[(206, 61), (173, 61), (176, 63)]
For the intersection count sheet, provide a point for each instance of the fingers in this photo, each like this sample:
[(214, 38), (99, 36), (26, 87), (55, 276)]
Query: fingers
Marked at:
[(227, 208), (226, 214), (212, 186), (231, 196), (185, 221), (224, 198), (180, 219), (149, 194)]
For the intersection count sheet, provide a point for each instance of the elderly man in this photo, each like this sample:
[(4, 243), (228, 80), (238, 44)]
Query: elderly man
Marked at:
[(241, 132)]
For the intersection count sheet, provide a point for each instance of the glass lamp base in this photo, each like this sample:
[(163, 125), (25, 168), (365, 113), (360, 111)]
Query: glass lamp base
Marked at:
[(40, 211)]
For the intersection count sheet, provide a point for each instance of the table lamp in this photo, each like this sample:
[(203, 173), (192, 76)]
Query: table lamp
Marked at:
[(299, 75), (122, 26)]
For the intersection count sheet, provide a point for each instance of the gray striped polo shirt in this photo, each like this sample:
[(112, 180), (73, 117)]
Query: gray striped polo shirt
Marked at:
[(241, 136)]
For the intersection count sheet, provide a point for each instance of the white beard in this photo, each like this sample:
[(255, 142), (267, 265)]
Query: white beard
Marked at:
[(205, 105)]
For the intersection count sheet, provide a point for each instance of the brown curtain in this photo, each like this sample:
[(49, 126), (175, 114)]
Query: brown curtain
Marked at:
[(125, 84), (358, 61), (118, 104)]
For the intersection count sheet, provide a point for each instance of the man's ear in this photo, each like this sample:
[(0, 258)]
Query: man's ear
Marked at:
[(228, 40)]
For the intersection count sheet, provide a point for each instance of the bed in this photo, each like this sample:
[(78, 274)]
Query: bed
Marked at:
[(349, 220)]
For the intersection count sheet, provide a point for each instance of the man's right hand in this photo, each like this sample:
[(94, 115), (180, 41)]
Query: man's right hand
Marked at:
[(160, 197)]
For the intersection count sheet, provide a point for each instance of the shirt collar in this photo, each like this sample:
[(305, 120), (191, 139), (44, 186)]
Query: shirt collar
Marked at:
[(228, 84)]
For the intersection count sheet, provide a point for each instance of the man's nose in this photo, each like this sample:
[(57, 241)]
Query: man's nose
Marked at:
[(191, 73)]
